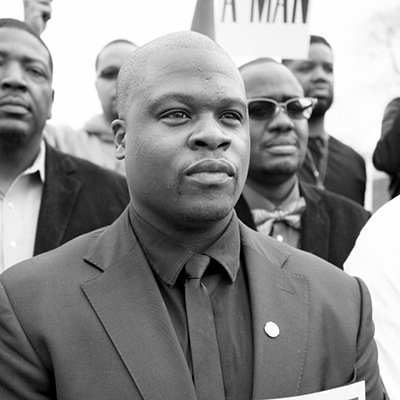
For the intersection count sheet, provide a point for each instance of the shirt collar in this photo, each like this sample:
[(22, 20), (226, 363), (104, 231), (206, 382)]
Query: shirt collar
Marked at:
[(39, 163), (167, 257), (257, 201)]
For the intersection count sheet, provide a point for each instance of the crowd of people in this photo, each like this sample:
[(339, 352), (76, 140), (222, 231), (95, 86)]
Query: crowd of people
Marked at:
[(203, 238)]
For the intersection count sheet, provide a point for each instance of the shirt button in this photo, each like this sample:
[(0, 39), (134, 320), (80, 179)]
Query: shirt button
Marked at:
[(279, 237), (13, 244), (10, 205)]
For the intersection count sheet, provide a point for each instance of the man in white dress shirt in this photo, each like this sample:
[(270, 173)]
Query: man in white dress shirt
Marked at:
[(375, 259), (46, 197)]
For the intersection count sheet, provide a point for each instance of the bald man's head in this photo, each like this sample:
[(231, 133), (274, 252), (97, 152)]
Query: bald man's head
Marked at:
[(183, 131), (134, 70)]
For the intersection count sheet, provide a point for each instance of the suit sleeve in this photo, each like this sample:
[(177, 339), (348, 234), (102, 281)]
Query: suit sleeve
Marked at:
[(367, 354), (23, 376), (386, 154)]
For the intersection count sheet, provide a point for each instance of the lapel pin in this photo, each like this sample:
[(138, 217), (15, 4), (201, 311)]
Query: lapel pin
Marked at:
[(271, 329)]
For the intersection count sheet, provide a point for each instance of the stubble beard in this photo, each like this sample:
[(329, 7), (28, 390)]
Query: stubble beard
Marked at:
[(209, 210), (12, 135), (322, 107)]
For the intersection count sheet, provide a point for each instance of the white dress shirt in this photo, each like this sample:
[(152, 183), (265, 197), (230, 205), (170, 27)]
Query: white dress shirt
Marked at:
[(376, 259), (19, 212)]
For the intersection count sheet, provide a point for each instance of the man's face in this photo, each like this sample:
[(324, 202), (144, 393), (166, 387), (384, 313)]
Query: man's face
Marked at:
[(187, 143), (316, 76), (109, 64), (26, 95), (278, 144)]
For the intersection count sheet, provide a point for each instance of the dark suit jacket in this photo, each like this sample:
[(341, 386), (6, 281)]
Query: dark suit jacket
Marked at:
[(87, 321), (346, 173), (386, 154), (330, 223), (77, 198)]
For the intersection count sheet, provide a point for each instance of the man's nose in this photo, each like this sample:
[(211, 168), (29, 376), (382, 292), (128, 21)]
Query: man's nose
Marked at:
[(210, 134), (13, 77), (320, 73), (281, 122)]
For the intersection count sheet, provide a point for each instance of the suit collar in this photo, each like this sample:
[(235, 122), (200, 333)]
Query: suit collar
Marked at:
[(54, 214), (156, 361), (126, 298), (281, 297)]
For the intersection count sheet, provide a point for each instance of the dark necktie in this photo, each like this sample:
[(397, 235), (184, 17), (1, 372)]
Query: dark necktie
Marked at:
[(291, 215), (207, 371), (317, 156)]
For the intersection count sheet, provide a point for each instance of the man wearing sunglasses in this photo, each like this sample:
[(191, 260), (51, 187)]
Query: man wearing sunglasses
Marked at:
[(274, 201)]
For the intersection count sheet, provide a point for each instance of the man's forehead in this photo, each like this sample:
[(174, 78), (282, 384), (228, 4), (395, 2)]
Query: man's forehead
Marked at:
[(195, 62), (271, 78), (321, 50), (171, 59), (115, 53), (13, 40)]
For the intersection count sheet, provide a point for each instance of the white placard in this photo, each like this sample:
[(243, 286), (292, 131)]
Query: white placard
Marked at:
[(356, 391), (263, 28)]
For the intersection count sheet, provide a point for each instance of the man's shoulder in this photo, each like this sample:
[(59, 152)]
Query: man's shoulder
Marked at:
[(393, 105), (291, 259), (81, 169), (343, 150), (334, 202), (63, 264)]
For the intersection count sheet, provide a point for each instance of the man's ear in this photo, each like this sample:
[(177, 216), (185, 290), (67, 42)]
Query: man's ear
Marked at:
[(119, 128), (95, 85), (49, 114)]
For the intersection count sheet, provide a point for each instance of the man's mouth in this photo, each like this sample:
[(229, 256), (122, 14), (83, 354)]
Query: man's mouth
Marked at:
[(13, 105), (281, 147), (211, 171)]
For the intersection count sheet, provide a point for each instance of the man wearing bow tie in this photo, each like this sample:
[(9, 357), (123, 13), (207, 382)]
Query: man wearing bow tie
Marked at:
[(273, 201)]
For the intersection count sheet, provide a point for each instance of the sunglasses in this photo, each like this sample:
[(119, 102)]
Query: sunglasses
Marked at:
[(298, 108)]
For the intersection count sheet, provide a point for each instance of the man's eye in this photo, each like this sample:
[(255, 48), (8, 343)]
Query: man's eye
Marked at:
[(305, 69), (109, 74), (36, 72), (232, 115), (176, 115)]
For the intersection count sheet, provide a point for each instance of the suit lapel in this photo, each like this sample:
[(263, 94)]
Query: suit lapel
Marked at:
[(243, 212), (315, 224), (280, 297), (60, 192), (127, 300)]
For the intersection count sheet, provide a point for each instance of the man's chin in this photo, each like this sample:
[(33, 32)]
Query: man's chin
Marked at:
[(12, 133), (207, 214), (322, 107), (278, 172)]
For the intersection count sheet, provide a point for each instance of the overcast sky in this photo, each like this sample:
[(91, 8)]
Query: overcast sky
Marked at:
[(79, 29)]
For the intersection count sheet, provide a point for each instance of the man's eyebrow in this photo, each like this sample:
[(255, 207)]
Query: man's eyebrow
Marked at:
[(181, 97), (26, 59), (191, 99)]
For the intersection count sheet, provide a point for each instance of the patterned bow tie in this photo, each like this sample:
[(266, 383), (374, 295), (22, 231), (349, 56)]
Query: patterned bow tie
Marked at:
[(291, 215)]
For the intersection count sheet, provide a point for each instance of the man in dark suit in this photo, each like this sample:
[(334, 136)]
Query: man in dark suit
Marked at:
[(46, 197), (317, 221), (128, 311), (78, 197)]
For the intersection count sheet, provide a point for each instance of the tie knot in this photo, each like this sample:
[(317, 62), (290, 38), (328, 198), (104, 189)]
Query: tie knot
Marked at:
[(196, 266)]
